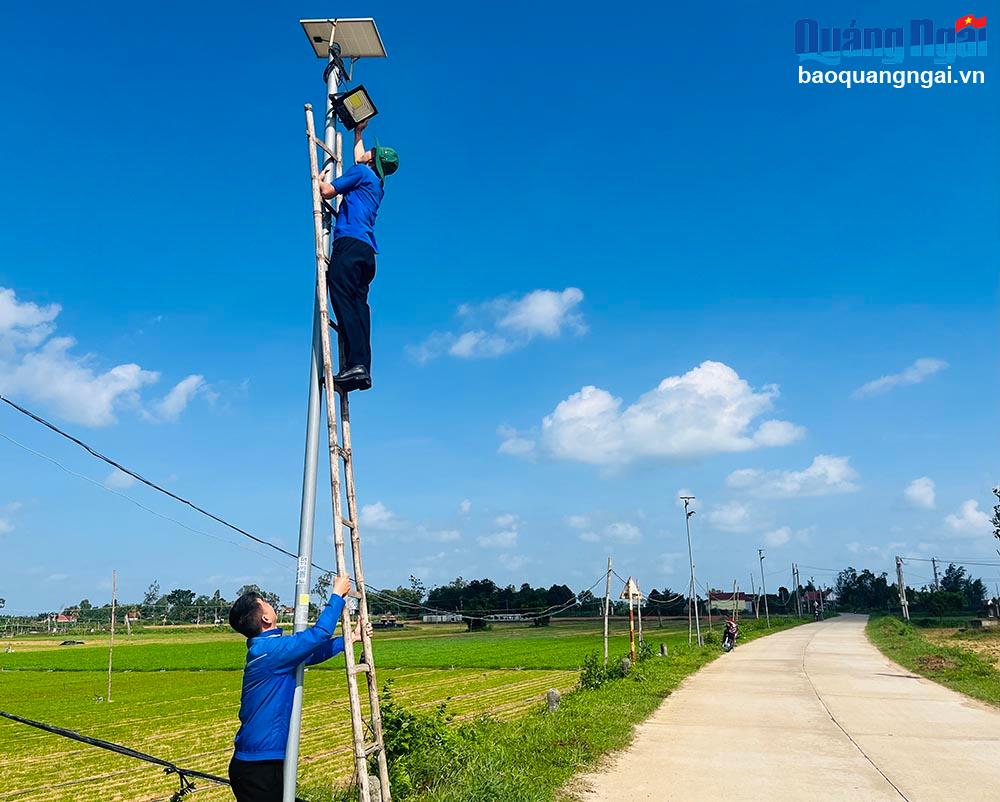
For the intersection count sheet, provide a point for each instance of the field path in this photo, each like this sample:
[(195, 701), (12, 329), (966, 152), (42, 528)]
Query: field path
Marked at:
[(813, 713)]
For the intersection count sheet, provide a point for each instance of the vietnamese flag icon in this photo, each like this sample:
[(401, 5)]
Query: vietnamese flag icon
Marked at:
[(969, 21)]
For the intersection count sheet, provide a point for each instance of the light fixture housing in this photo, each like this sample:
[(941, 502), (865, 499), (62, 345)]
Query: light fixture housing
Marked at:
[(353, 106)]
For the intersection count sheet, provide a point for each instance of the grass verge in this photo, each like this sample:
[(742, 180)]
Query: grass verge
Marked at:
[(532, 758), (959, 669)]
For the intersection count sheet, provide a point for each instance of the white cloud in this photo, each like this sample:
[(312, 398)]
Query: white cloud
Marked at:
[(444, 535), (6, 527), (464, 506), (379, 517), (914, 374), (708, 410), (506, 521), (41, 367), (920, 493), (589, 537), (577, 521), (825, 476), (622, 532), (57, 577), (731, 517), (778, 537), (969, 520), (502, 325), (506, 539), (514, 444), (668, 561), (170, 407), (118, 480), (513, 562)]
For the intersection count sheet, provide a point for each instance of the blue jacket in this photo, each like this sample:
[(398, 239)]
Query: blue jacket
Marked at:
[(269, 682), (362, 194)]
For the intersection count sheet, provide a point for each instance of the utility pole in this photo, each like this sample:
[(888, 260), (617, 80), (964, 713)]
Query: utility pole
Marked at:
[(901, 586), (937, 583), (795, 583), (607, 607), (763, 587), (693, 595), (756, 601), (638, 610), (111, 643)]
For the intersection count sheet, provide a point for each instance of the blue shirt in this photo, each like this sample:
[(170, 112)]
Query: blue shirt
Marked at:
[(269, 682), (361, 193)]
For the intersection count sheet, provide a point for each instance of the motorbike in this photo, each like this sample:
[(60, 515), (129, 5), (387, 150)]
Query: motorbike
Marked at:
[(729, 636)]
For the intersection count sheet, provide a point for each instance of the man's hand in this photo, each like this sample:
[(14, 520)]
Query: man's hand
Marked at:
[(356, 634), (326, 190), (342, 585), (361, 126)]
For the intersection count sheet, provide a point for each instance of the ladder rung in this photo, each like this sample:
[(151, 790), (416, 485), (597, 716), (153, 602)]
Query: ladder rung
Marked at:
[(362, 668), (347, 522), (372, 748)]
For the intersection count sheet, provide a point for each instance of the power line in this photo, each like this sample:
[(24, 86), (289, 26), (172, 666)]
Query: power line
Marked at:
[(140, 478)]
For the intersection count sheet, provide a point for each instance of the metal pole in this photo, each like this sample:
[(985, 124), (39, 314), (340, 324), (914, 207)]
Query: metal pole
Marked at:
[(607, 605), (111, 643), (763, 587), (937, 584), (307, 510), (694, 588), (756, 601), (631, 626), (638, 610)]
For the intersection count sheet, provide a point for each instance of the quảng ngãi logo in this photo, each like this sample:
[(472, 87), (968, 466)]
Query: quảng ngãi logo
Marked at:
[(894, 44)]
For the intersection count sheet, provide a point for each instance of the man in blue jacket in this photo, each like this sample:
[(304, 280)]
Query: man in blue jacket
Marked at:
[(352, 258), (269, 683)]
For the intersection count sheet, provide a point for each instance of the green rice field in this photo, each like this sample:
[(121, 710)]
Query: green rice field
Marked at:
[(176, 695)]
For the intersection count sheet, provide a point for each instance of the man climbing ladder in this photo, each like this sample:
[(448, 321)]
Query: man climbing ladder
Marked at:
[(352, 260)]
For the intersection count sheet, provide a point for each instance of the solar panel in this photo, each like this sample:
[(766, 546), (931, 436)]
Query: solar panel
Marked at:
[(358, 38)]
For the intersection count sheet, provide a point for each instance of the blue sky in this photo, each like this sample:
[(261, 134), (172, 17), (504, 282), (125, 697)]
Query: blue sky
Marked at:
[(647, 205)]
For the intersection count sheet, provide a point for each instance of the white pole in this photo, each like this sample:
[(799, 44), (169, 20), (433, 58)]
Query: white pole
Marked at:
[(763, 587), (307, 510), (756, 601), (607, 606), (694, 588)]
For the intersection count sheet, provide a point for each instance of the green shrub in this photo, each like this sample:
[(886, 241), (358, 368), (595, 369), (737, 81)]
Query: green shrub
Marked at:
[(417, 745)]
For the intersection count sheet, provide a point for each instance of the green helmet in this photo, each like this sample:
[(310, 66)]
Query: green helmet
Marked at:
[(386, 161)]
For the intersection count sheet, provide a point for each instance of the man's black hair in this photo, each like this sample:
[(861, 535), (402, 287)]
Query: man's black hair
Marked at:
[(244, 615)]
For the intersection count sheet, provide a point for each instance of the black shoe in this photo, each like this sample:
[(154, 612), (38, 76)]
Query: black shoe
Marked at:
[(353, 378)]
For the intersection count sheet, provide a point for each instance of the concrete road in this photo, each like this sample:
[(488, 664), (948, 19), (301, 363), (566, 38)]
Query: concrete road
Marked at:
[(813, 713)]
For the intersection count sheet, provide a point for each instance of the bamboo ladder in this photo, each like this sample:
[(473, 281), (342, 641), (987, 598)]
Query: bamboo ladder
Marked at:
[(367, 735)]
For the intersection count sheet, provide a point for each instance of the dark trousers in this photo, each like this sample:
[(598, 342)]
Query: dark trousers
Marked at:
[(350, 274), (256, 780)]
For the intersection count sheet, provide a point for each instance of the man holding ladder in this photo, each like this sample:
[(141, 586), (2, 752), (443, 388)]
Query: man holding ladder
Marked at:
[(352, 260)]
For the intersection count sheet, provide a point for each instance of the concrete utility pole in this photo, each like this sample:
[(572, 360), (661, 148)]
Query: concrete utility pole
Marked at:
[(693, 594), (763, 587), (607, 608), (795, 584), (756, 601), (937, 583), (901, 586)]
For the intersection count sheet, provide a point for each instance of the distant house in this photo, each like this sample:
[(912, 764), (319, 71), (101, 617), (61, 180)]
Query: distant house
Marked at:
[(285, 610), (447, 618), (811, 596), (724, 602), (132, 616), (62, 618)]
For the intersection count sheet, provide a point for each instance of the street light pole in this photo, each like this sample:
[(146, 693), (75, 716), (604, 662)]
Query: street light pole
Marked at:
[(763, 587), (693, 590)]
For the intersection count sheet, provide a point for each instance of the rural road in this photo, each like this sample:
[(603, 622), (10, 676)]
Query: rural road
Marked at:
[(815, 713)]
